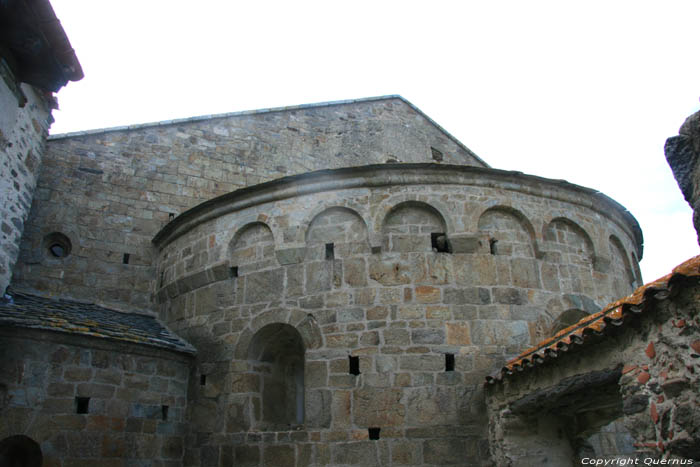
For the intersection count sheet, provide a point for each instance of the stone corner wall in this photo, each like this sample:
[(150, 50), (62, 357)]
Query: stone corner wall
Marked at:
[(682, 154), (23, 132)]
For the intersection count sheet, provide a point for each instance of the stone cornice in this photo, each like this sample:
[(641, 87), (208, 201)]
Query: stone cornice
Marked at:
[(379, 175)]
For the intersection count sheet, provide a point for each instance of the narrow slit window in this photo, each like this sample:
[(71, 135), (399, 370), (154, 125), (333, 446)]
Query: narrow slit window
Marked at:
[(164, 412), (162, 277), (171, 216), (234, 271), (449, 362), (354, 365), (373, 433), (203, 380), (492, 246), (125, 258), (330, 251), (82, 404), (439, 242)]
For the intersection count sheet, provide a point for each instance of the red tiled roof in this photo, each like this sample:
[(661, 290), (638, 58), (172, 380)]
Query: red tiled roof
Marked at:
[(613, 314)]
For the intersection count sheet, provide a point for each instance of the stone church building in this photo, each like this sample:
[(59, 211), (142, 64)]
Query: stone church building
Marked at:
[(330, 284)]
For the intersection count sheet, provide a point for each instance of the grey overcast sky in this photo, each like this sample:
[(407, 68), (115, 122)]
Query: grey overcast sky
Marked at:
[(582, 91)]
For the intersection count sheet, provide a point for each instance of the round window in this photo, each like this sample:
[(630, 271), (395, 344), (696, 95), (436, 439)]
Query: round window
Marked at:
[(57, 245)]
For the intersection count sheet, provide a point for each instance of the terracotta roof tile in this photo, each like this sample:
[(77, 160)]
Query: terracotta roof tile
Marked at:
[(30, 311), (613, 314)]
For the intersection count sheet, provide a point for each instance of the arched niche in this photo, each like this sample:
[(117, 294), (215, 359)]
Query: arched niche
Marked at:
[(510, 232), (571, 241), (20, 451), (340, 229), (621, 272), (276, 355), (566, 319), (415, 226), (252, 243)]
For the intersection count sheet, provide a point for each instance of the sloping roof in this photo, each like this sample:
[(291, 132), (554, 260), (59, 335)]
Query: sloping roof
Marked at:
[(30, 311), (614, 314)]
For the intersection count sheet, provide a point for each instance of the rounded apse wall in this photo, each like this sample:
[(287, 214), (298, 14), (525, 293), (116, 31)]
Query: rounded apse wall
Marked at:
[(406, 285)]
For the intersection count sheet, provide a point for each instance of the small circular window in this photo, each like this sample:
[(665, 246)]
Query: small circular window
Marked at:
[(58, 245)]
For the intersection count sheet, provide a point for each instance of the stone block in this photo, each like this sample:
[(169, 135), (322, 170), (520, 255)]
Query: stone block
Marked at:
[(369, 338), (318, 276), (287, 256), (360, 453), (421, 362), (101, 391), (428, 336), (525, 273), (246, 382), (350, 315), (355, 272), (445, 452), (316, 374), (341, 409), (396, 337), (427, 294), (264, 286), (509, 296), (318, 408), (497, 332), (467, 296), (458, 334), (468, 244), (389, 273), (378, 407), (347, 341), (377, 313), (280, 455)]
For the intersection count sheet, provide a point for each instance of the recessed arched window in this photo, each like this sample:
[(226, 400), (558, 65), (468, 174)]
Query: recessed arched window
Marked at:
[(20, 451), (276, 355)]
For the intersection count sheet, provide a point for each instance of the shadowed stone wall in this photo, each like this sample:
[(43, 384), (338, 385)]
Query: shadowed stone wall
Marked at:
[(109, 192), (23, 133), (385, 291), (44, 374)]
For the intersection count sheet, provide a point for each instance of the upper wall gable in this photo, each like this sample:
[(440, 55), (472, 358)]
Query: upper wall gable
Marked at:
[(333, 134)]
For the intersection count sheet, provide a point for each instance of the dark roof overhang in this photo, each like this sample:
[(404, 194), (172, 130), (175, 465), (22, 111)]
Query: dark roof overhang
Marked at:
[(38, 48)]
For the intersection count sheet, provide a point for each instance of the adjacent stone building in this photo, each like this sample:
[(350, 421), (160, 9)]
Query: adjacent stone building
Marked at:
[(325, 284), (36, 60)]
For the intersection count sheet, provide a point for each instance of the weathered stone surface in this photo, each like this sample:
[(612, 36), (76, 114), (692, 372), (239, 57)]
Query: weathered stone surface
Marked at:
[(263, 286), (458, 334), (378, 407)]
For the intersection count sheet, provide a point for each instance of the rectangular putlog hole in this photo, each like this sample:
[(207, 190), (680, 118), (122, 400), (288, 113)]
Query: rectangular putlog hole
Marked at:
[(164, 412), (203, 380), (354, 365), (125, 258), (233, 271), (373, 433), (449, 362), (82, 404), (439, 242)]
